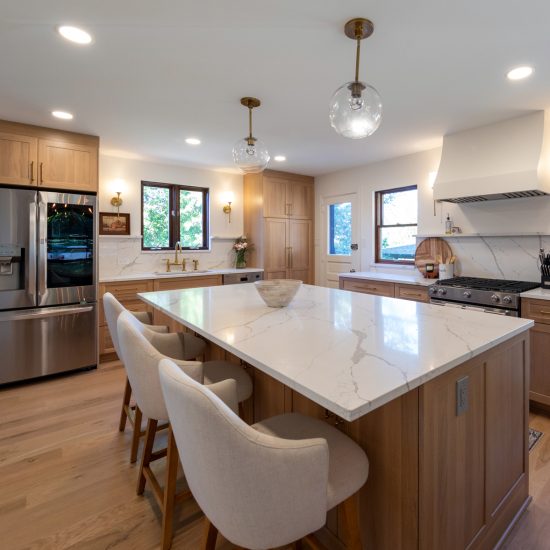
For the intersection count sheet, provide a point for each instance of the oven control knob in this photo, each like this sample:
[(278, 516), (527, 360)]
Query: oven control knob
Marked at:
[(433, 290), (442, 291), (507, 300), (467, 294), (495, 299)]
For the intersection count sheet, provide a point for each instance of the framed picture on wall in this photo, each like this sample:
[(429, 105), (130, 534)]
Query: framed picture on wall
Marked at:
[(114, 224)]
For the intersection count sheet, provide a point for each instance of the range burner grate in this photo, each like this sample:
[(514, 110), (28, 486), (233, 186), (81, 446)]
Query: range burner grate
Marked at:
[(494, 285)]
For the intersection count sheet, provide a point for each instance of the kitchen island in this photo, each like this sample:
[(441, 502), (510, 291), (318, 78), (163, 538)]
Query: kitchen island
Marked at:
[(436, 396)]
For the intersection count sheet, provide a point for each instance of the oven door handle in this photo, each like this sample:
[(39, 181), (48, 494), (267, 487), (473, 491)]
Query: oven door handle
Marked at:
[(43, 313)]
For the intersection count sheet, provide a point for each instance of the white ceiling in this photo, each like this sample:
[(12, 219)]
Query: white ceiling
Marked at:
[(163, 70)]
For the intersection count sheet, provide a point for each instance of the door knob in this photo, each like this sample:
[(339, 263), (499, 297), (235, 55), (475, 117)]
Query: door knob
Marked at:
[(354, 246)]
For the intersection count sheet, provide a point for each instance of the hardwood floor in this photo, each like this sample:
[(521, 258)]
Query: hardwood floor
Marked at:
[(66, 481)]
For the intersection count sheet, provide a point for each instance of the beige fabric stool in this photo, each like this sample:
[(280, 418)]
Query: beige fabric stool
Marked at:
[(266, 485), (141, 353), (176, 345)]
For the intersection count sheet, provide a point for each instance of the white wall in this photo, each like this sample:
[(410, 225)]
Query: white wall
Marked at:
[(119, 256), (494, 257)]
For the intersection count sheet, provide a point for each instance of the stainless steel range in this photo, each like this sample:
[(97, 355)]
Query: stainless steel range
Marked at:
[(491, 295)]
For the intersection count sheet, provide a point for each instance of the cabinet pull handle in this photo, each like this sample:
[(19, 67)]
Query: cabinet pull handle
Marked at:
[(41, 173), (32, 170), (545, 311), (291, 259)]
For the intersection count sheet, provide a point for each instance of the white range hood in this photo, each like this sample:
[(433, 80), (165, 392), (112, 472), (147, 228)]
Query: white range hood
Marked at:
[(506, 160)]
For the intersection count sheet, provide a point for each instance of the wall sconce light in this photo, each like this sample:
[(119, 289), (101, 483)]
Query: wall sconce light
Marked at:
[(117, 201), (228, 199)]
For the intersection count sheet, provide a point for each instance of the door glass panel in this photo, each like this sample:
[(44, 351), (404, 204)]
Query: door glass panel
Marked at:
[(339, 229), (70, 245)]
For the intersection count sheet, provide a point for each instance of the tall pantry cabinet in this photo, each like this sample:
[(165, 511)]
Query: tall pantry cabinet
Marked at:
[(278, 220)]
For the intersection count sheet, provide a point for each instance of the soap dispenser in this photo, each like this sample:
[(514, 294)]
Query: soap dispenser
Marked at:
[(448, 225)]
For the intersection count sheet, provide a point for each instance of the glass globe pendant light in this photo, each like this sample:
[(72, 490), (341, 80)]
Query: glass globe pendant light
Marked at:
[(250, 154), (356, 107)]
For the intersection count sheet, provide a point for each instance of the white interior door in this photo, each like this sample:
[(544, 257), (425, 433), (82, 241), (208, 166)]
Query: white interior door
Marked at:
[(340, 250)]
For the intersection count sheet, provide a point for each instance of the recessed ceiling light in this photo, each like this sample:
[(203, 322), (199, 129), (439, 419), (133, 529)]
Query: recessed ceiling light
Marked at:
[(519, 73), (193, 141), (74, 34), (63, 115), (279, 158)]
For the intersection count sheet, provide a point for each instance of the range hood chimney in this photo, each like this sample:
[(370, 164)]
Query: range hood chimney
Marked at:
[(506, 160)]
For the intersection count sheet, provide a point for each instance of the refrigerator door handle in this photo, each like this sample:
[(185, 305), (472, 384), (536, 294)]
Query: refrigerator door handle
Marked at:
[(43, 313), (31, 285), (42, 247)]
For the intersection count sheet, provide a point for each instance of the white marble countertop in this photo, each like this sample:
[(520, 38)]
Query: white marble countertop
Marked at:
[(171, 274), (347, 351), (414, 278), (537, 294)]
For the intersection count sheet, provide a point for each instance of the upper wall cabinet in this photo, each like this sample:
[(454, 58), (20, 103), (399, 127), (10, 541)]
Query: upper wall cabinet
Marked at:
[(287, 196), (42, 157), (18, 159)]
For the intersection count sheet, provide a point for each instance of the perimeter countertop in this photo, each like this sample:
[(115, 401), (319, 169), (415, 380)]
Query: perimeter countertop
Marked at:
[(537, 294), (170, 274), (409, 279), (349, 352)]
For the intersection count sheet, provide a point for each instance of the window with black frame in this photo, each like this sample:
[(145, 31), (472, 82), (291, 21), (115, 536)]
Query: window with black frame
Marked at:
[(173, 213), (396, 225)]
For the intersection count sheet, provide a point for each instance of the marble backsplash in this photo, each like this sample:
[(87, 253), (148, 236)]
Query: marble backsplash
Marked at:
[(513, 257), (123, 256)]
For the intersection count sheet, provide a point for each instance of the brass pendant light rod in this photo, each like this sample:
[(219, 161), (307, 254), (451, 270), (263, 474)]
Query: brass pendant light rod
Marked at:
[(358, 29), (250, 103)]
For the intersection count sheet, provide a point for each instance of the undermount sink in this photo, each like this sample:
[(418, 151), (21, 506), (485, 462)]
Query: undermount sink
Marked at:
[(180, 273)]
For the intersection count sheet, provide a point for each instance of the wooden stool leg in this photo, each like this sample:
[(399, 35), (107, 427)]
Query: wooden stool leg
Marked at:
[(136, 435), (147, 450), (125, 403), (350, 513), (172, 458), (209, 536)]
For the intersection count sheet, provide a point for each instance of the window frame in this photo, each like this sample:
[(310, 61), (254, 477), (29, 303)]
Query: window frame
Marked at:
[(174, 213), (379, 224)]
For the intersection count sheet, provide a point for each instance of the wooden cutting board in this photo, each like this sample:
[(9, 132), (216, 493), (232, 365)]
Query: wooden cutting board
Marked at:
[(428, 250)]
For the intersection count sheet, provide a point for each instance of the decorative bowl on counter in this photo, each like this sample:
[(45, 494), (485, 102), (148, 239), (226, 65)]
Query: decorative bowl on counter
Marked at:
[(277, 292)]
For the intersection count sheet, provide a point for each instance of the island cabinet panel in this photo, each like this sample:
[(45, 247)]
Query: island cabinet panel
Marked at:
[(452, 465), (539, 311), (18, 159), (474, 466)]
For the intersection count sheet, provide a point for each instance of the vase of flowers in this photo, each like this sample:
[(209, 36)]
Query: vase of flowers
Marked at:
[(241, 247)]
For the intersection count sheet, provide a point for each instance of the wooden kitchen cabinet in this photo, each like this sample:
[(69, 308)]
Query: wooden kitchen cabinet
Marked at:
[(126, 293), (404, 291), (278, 218), (18, 159), (48, 158), (539, 311)]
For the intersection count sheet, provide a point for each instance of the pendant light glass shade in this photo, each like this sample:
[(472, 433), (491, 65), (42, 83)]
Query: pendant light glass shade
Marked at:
[(355, 110), (251, 159), (249, 153)]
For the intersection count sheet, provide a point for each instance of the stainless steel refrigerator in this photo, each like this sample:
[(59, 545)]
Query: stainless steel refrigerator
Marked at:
[(48, 283)]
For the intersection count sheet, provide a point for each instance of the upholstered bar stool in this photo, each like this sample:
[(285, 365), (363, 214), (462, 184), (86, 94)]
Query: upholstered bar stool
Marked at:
[(142, 351), (266, 485), (176, 345)]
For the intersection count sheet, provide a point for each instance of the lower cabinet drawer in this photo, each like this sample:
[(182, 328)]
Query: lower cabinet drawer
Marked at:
[(538, 310), (368, 287), (412, 292)]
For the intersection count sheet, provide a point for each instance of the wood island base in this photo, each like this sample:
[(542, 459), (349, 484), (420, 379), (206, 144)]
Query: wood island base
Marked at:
[(437, 479)]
